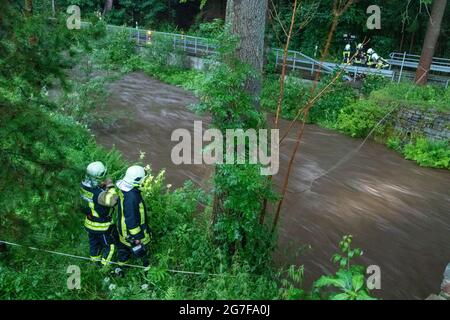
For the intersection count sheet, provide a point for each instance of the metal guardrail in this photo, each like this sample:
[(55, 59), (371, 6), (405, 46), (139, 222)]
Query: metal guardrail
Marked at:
[(194, 45), (199, 46), (407, 63), (412, 60)]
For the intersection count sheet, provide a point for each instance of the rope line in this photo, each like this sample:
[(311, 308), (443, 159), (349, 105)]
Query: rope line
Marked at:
[(109, 262)]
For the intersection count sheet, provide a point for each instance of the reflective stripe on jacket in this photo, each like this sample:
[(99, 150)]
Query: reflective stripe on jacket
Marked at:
[(98, 217), (132, 217)]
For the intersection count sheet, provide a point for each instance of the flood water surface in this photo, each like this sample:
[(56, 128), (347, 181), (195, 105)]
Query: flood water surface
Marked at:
[(398, 213)]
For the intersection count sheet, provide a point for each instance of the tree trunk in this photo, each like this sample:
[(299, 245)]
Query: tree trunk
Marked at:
[(247, 19), (28, 7), (108, 6), (430, 41)]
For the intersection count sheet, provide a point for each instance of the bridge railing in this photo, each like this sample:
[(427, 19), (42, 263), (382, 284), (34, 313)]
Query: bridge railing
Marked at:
[(404, 60)]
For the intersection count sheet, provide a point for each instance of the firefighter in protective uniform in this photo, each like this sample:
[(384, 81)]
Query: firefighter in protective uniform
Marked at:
[(360, 56), (374, 60), (132, 226), (347, 54), (100, 199)]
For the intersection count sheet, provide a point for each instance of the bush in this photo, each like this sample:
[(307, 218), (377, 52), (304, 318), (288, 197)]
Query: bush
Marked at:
[(295, 96), (372, 83), (428, 153), (327, 109), (119, 48), (358, 119), (210, 30)]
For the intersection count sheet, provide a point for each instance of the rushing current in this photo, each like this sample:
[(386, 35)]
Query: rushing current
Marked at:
[(398, 212)]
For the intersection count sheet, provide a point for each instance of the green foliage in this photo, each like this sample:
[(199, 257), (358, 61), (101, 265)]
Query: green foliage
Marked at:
[(44, 152), (394, 143), (291, 286), (210, 30), (295, 95), (326, 110), (359, 118), (349, 280), (239, 189), (84, 101), (120, 48), (31, 56), (372, 83), (408, 94), (428, 153)]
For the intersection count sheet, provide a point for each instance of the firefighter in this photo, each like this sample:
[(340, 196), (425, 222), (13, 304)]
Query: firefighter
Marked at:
[(100, 199), (374, 60), (132, 227), (347, 54), (370, 62), (360, 56), (149, 37)]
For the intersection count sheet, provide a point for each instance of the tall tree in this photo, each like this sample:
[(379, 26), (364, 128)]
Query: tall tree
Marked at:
[(247, 19), (431, 38)]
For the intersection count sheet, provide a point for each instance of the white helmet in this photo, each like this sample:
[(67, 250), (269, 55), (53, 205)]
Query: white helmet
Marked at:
[(135, 175), (359, 46), (370, 51), (96, 170), (348, 47)]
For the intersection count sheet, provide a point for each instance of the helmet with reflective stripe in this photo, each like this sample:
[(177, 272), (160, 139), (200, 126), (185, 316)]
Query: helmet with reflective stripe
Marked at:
[(96, 170), (347, 47), (135, 175), (370, 51), (359, 46)]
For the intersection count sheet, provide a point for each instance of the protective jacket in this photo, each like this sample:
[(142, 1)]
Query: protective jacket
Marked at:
[(347, 56), (132, 215), (98, 207)]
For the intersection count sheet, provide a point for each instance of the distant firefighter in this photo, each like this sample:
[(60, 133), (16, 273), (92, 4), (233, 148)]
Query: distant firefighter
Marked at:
[(374, 60), (347, 54), (360, 56), (149, 37)]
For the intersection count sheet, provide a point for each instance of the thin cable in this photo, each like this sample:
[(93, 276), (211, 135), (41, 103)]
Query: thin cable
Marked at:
[(110, 262)]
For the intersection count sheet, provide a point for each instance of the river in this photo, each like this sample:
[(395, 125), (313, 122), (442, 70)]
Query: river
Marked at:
[(398, 212)]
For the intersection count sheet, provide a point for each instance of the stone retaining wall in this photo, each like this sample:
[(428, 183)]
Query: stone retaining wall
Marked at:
[(430, 123)]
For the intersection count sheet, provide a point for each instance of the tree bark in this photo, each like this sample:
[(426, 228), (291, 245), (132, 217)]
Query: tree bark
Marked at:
[(28, 7), (247, 19), (108, 6), (430, 41)]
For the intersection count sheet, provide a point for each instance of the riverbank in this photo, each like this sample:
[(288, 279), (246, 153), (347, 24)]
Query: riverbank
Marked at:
[(377, 196), (418, 129), (376, 181)]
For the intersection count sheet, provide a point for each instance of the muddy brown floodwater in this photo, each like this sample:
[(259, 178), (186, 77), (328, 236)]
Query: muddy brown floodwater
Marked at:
[(398, 212)]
